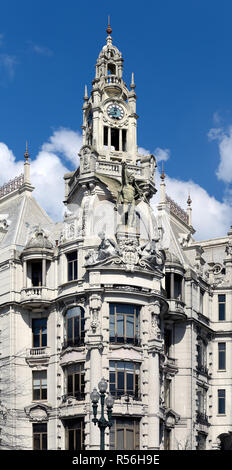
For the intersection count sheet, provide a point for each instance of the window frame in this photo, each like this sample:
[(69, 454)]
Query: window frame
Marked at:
[(220, 398), (115, 338), (222, 354), (117, 393), (41, 387), (73, 263), (77, 321), (75, 425), (222, 303), (80, 372), (41, 334), (120, 424), (40, 434)]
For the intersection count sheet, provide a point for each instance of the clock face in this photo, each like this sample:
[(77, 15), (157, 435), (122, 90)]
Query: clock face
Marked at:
[(115, 111)]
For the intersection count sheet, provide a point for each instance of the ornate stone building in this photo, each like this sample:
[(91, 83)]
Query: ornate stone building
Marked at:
[(112, 291)]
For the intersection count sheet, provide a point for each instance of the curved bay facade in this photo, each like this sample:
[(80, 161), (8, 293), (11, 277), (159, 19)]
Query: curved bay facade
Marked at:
[(115, 290)]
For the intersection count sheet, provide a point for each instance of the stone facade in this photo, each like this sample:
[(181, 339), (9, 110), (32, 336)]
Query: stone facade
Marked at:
[(116, 292)]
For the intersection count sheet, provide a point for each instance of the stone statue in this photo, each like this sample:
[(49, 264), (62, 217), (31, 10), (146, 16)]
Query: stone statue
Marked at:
[(126, 194)]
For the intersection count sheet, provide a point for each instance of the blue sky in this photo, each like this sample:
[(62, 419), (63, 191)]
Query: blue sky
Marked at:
[(180, 53)]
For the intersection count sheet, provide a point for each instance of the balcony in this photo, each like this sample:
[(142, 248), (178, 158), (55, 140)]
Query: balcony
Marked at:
[(69, 398), (170, 365), (36, 296), (127, 396), (135, 341), (176, 310), (73, 343), (37, 355), (202, 418), (202, 369)]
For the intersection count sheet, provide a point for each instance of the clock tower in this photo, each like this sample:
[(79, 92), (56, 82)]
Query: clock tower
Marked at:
[(109, 114)]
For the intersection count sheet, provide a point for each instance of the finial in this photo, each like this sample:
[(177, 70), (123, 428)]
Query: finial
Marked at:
[(109, 30), (132, 85), (26, 154), (189, 201), (162, 176), (86, 94)]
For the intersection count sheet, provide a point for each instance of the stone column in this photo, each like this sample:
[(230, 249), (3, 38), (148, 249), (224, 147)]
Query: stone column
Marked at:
[(24, 274), (182, 290), (154, 395), (95, 350), (44, 272), (172, 285)]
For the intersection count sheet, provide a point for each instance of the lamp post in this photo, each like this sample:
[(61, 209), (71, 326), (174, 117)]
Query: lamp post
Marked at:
[(102, 422)]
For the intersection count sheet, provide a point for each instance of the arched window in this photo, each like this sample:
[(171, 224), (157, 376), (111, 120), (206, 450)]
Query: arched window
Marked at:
[(111, 69), (74, 326)]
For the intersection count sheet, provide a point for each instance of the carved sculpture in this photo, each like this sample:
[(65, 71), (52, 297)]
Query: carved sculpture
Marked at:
[(126, 194)]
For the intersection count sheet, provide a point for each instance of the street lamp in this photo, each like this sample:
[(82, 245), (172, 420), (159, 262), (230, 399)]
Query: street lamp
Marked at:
[(102, 422)]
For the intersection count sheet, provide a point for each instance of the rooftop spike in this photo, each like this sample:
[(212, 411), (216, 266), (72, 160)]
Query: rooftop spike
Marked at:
[(132, 85), (86, 94), (162, 176), (109, 30), (26, 154)]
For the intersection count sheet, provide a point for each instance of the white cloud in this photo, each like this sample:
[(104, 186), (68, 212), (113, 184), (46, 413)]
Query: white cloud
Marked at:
[(160, 154), (66, 142), (210, 217), (47, 169), (7, 66), (224, 138)]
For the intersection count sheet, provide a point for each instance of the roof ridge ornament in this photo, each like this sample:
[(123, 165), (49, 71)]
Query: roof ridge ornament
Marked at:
[(109, 29), (26, 154)]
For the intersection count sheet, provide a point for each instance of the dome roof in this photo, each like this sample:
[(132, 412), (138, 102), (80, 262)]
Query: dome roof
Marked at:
[(39, 240), (171, 257)]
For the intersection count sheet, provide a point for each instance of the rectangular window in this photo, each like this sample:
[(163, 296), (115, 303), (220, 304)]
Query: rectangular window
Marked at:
[(40, 436), (124, 147), (72, 265), (124, 378), (167, 393), (167, 341), (39, 380), (124, 434), (124, 323), (221, 307), (75, 434), (105, 137), (36, 273), (201, 441), (221, 401), (39, 332), (76, 381), (221, 356), (201, 306), (114, 139), (201, 400)]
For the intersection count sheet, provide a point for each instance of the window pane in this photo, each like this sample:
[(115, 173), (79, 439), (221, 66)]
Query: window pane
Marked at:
[(120, 325), (130, 327), (44, 441), (129, 439), (120, 439), (130, 382), (36, 443), (121, 381), (221, 311)]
